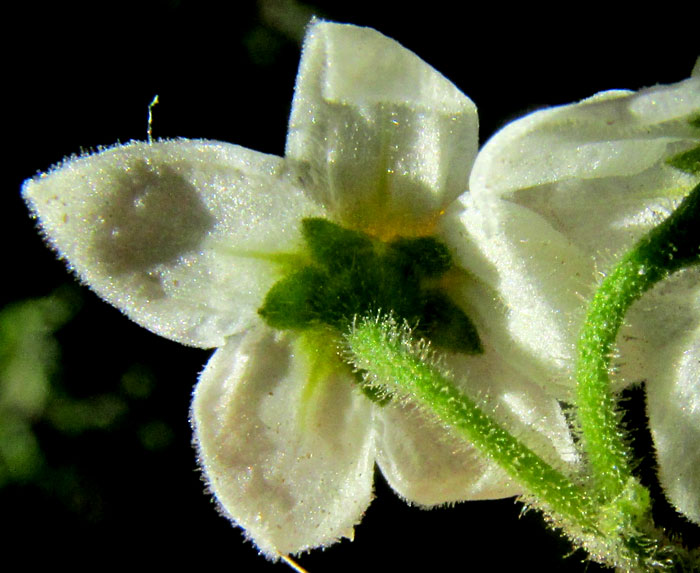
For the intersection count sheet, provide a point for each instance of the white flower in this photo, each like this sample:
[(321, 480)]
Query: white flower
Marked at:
[(187, 237), (562, 194)]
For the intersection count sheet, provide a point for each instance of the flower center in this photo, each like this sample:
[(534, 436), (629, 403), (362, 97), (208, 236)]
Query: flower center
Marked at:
[(350, 273)]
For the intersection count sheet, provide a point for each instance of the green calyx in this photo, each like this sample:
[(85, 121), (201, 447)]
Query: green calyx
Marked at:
[(350, 273), (688, 161)]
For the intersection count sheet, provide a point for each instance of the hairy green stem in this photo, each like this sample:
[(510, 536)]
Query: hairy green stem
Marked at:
[(610, 516), (395, 363), (670, 246)]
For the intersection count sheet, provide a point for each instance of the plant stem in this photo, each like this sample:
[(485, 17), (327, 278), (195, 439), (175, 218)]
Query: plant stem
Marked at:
[(393, 362), (670, 246)]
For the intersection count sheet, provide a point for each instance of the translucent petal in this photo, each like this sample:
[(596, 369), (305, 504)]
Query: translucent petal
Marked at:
[(179, 235), (567, 191), (532, 288), (612, 134), (670, 323), (386, 140), (428, 466), (292, 467), (674, 412)]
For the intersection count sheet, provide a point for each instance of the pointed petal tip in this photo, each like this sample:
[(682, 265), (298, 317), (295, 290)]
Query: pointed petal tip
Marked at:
[(173, 233)]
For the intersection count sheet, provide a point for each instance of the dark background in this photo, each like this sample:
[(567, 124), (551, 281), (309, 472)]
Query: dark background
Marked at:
[(120, 483)]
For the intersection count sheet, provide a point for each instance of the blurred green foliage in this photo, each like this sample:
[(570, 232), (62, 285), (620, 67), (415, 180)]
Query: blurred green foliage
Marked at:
[(29, 358), (31, 391)]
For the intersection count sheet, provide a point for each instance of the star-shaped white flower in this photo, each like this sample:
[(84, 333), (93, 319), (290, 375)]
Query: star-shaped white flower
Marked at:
[(188, 238), (562, 194)]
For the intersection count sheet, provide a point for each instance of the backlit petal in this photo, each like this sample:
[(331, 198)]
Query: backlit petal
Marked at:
[(293, 468), (428, 467), (671, 317), (674, 413), (176, 234), (567, 191), (386, 140)]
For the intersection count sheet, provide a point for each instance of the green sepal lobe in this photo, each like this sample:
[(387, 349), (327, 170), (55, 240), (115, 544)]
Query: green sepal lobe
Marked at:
[(351, 274), (688, 161)]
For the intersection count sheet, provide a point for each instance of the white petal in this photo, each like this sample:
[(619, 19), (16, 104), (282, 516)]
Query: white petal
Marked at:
[(612, 134), (294, 470), (564, 192), (595, 171), (173, 233), (670, 314), (388, 140), (674, 412), (526, 296), (428, 466)]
